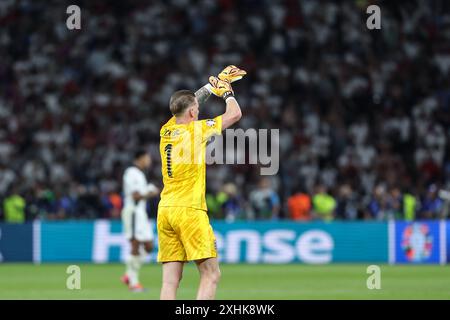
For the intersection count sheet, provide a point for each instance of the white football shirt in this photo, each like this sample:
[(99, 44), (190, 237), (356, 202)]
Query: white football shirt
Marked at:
[(134, 180)]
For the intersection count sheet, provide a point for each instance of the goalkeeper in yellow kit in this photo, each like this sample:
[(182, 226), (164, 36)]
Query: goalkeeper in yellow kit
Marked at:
[(184, 232)]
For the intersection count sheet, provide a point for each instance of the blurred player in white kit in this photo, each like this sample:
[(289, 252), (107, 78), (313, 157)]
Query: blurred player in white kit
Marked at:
[(137, 227)]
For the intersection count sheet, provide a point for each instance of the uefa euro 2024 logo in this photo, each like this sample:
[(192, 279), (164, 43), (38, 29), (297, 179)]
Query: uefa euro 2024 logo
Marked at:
[(417, 242)]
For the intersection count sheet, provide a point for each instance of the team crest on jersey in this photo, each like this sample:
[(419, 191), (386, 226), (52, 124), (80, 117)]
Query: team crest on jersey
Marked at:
[(210, 122)]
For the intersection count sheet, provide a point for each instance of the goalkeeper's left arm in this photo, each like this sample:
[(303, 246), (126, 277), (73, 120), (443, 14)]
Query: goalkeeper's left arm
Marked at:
[(224, 90), (229, 74), (203, 93)]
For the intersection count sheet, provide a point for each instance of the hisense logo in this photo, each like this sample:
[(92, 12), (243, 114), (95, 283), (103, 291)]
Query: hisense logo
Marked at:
[(281, 245)]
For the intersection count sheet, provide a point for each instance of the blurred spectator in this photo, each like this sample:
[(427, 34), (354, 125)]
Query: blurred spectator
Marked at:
[(89, 204), (231, 204), (7, 176), (264, 201), (66, 207), (226, 204), (214, 203), (395, 202), (14, 207), (378, 204), (431, 204), (46, 202), (409, 206), (347, 203), (299, 205), (324, 204), (112, 202)]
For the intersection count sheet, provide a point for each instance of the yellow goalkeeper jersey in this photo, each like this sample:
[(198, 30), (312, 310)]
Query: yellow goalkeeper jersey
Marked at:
[(183, 154)]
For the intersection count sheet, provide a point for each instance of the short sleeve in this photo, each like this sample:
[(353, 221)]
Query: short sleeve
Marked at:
[(211, 127)]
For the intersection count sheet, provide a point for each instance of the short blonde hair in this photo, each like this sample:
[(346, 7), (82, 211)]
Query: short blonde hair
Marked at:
[(180, 101)]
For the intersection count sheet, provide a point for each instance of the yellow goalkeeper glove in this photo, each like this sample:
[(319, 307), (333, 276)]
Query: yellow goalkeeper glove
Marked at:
[(221, 88), (231, 74)]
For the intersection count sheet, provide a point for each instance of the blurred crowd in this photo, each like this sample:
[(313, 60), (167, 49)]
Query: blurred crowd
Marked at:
[(364, 115)]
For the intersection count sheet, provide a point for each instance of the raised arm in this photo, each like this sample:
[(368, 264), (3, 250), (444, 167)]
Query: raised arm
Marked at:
[(232, 113), (230, 74), (203, 94), (224, 90)]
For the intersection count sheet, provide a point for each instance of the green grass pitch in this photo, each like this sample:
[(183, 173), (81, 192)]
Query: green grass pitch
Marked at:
[(241, 281)]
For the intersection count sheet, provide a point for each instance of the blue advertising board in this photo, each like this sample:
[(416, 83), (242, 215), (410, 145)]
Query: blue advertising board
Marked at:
[(244, 242), (67, 241), (102, 241), (287, 242), (16, 242)]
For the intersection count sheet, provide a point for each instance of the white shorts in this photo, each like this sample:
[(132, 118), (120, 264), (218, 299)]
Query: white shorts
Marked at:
[(137, 225)]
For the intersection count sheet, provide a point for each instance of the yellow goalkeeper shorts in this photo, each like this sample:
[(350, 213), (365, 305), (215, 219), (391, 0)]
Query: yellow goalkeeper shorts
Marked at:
[(184, 234)]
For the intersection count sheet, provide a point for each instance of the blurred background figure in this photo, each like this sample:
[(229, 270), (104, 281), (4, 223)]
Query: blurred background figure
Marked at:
[(14, 206), (324, 204), (113, 204), (378, 204), (409, 205), (347, 206), (231, 203), (226, 204), (264, 201), (299, 205), (431, 204), (395, 203)]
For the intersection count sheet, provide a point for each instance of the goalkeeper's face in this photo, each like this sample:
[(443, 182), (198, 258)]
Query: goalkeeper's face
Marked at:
[(194, 110)]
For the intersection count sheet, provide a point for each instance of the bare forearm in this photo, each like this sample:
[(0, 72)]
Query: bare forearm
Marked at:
[(232, 107), (232, 113), (146, 196), (202, 94)]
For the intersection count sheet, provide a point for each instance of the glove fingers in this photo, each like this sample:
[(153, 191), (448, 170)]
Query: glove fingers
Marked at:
[(214, 85), (237, 71), (213, 81), (232, 74), (219, 87)]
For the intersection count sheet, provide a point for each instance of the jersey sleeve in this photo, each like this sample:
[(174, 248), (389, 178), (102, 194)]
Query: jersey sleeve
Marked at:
[(211, 127)]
